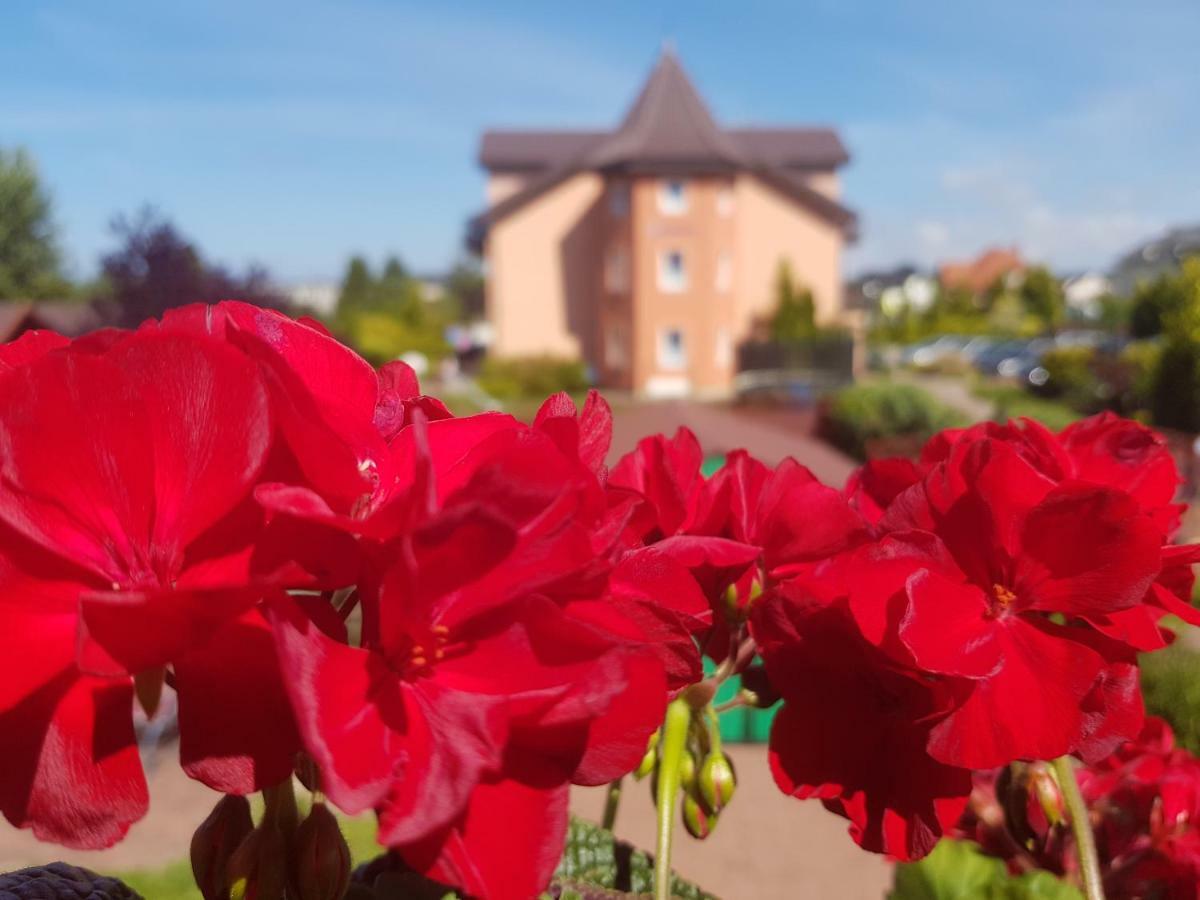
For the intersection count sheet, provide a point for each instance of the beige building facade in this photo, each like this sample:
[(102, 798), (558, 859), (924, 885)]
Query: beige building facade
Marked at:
[(652, 251)]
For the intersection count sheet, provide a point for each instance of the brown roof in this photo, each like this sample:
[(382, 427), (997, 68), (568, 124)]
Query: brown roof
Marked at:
[(981, 273), (667, 129), (67, 317)]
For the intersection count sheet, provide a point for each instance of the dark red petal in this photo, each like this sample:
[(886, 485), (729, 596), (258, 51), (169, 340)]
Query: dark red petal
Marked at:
[(71, 768), (507, 845), (1029, 708), (1086, 550), (349, 708), (128, 632), (949, 627), (236, 729)]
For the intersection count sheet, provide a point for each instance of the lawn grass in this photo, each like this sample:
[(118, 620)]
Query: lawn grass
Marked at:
[(174, 881), (1011, 402)]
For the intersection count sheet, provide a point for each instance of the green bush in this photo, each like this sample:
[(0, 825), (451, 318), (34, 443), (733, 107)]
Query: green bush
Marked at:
[(1072, 377), (1171, 689), (531, 376), (866, 414)]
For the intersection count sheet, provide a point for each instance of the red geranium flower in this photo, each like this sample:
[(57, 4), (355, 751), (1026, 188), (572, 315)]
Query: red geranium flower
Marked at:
[(1021, 553), (125, 497), (854, 725)]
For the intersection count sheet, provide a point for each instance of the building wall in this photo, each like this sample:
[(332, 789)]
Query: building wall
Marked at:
[(543, 273), (773, 227), (703, 313), (502, 185)]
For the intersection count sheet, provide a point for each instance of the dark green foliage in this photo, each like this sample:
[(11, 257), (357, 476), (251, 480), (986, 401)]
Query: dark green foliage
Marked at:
[(1153, 301), (857, 416), (357, 287), (1175, 389), (1042, 296), (29, 260), (794, 318), (594, 858), (531, 376)]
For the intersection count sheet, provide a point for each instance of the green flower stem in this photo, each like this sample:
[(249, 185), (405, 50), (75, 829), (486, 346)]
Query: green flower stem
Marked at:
[(1081, 827), (671, 750), (612, 802)]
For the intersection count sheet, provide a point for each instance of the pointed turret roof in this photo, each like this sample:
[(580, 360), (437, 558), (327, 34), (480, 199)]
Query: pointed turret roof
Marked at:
[(669, 124), (668, 129)]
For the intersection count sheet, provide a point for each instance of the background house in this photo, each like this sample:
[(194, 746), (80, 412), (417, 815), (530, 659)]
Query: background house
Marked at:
[(651, 250)]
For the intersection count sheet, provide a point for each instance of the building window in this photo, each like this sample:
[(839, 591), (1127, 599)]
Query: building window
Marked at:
[(723, 351), (616, 270), (725, 201), (672, 197), (672, 273), (672, 352), (616, 347), (724, 279), (618, 200)]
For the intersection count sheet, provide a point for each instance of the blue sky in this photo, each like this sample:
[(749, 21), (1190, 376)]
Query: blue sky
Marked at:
[(295, 133)]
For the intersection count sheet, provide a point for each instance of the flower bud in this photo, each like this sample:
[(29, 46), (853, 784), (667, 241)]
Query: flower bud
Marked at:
[(687, 771), (215, 842), (716, 781), (1048, 794), (258, 868), (698, 821), (650, 760), (321, 858), (755, 681)]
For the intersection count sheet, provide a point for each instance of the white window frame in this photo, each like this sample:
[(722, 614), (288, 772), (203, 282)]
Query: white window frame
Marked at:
[(670, 280), (669, 358), (673, 196)]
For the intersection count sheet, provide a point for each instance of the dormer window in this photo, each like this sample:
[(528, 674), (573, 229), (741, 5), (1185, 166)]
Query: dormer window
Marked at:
[(672, 197)]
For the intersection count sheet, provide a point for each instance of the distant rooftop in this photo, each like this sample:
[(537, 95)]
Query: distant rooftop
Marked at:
[(668, 129)]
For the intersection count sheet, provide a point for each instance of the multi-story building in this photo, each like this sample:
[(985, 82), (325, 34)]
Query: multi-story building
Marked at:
[(652, 251)]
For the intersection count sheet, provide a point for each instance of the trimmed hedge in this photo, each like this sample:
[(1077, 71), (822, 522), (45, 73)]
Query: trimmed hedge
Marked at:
[(867, 418)]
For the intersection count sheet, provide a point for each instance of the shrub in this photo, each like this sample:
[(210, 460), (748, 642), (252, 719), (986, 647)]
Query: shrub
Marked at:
[(1171, 688), (870, 414), (1071, 375), (531, 376)]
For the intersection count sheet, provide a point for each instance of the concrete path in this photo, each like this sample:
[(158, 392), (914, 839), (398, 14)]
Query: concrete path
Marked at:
[(769, 435)]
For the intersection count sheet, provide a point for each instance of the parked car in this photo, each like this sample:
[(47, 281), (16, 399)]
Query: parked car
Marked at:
[(988, 361)]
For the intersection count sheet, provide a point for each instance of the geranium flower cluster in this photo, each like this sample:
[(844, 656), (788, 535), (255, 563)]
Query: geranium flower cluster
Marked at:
[(1144, 801), (453, 619)]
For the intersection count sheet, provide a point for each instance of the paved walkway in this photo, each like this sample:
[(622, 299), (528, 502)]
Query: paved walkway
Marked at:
[(768, 435)]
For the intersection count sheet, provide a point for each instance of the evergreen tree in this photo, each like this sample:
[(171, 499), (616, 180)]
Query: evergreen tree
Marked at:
[(795, 312), (1042, 295), (357, 288), (29, 260)]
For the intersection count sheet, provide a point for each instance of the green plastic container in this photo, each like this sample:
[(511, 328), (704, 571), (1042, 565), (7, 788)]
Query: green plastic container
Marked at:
[(743, 725)]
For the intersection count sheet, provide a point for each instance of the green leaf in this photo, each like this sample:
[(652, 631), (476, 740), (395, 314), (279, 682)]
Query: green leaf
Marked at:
[(959, 870), (955, 870)]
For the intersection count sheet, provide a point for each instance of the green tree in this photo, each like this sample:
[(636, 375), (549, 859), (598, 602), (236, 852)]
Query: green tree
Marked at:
[(1042, 295), (794, 318), (29, 260), (1154, 301), (357, 288), (1175, 390), (398, 294)]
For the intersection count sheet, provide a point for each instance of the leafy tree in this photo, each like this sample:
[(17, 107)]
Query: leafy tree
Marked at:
[(1043, 296), (1153, 301), (29, 259), (1175, 391), (464, 286), (794, 318), (156, 268)]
